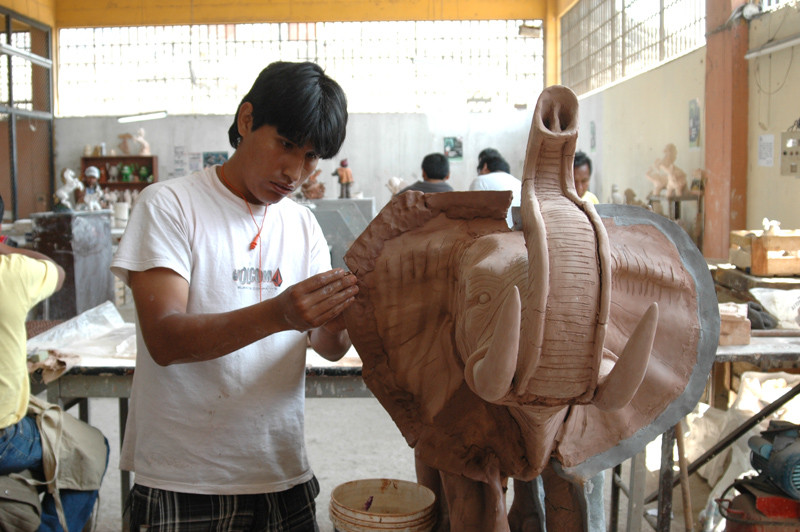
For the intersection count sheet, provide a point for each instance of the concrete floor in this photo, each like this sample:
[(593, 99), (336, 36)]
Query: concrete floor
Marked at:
[(350, 439)]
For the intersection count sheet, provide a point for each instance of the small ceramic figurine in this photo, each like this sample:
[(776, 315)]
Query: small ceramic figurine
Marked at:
[(64, 192), (345, 179), (396, 184), (616, 195), (144, 146), (665, 175), (134, 144), (313, 189), (126, 172), (91, 197)]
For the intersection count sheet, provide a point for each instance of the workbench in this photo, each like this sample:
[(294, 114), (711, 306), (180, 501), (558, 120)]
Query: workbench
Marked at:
[(766, 351)]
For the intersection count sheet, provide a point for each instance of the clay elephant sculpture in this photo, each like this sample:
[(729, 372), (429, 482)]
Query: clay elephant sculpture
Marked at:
[(572, 343)]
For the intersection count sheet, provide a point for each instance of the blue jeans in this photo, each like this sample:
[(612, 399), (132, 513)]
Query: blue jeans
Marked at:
[(20, 449)]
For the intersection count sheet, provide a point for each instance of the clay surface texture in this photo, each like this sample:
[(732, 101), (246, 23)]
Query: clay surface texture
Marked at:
[(564, 347)]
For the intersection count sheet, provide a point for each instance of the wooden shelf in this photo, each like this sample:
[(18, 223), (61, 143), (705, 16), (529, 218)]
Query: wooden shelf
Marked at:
[(111, 165)]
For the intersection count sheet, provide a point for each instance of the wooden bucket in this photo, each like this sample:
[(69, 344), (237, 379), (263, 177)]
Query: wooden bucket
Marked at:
[(382, 504)]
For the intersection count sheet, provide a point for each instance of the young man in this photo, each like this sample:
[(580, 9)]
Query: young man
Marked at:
[(435, 171), (26, 278), (230, 281), (582, 172), (494, 174)]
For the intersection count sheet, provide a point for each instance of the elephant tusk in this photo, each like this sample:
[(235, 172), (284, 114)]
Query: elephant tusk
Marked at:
[(618, 388), (493, 373)]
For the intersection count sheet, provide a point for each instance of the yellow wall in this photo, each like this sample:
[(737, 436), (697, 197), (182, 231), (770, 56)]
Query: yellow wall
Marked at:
[(97, 13), (43, 11), (77, 13), (83, 13)]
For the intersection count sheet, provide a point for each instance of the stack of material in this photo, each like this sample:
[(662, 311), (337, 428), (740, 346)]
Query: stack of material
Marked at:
[(734, 327)]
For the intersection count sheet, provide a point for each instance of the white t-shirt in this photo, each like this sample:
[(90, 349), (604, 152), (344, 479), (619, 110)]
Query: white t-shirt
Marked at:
[(233, 424), (500, 181)]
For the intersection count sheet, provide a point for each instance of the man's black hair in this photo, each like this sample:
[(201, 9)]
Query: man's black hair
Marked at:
[(436, 166), (495, 163), (581, 159), (302, 103), (485, 154)]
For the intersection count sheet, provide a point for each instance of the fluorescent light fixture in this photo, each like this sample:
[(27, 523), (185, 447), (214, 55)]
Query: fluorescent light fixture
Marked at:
[(773, 46), (143, 116)]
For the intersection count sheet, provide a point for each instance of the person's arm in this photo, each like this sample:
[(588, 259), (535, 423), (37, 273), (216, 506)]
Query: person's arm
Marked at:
[(174, 336), (5, 249), (331, 340)]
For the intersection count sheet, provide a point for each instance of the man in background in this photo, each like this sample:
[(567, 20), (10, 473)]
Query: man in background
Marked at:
[(435, 173), (494, 174), (28, 277), (582, 170)]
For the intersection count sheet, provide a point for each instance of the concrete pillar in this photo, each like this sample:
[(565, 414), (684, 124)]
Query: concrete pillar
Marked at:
[(726, 98)]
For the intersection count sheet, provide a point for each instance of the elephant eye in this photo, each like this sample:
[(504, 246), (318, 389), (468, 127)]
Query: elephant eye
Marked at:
[(484, 298)]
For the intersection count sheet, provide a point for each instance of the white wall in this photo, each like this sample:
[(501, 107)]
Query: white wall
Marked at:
[(378, 146), (774, 81), (634, 120)]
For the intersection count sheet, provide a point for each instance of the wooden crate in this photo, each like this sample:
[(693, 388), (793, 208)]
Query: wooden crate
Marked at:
[(768, 255)]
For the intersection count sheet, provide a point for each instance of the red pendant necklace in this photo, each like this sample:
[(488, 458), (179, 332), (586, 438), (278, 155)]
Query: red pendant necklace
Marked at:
[(257, 238)]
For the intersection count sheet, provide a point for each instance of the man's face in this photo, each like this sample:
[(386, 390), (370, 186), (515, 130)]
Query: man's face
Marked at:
[(273, 166), (582, 177)]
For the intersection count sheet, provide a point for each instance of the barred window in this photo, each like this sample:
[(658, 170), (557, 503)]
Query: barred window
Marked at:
[(467, 66), (604, 41)]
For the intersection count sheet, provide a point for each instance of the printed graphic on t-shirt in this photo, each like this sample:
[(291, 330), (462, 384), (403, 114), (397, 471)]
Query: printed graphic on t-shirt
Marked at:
[(255, 279)]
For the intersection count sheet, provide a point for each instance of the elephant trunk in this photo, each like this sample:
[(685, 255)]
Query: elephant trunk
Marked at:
[(566, 299), (564, 312)]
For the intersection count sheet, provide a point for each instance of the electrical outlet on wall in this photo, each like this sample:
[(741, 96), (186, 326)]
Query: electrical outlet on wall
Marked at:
[(790, 153)]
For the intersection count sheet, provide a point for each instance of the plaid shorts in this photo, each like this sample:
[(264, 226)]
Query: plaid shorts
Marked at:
[(156, 510)]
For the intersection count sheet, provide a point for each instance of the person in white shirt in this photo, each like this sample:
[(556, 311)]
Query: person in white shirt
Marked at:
[(231, 280), (494, 174)]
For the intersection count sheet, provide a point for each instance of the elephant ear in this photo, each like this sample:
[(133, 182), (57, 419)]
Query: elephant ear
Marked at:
[(652, 259), (401, 323)]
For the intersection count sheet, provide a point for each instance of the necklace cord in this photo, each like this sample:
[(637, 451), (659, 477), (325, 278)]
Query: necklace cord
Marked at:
[(257, 238)]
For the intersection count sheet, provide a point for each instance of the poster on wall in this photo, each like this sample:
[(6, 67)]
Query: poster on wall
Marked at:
[(766, 150), (210, 158), (453, 148), (180, 161), (694, 123)]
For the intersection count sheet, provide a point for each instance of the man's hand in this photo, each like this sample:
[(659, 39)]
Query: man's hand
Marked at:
[(174, 336), (318, 300)]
